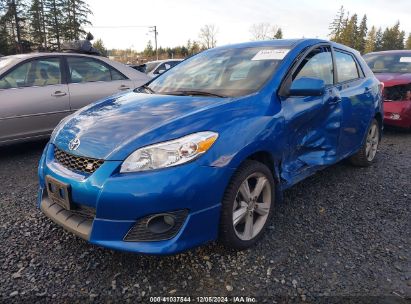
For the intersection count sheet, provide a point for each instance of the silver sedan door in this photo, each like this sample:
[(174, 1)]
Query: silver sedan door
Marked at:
[(33, 99), (91, 79)]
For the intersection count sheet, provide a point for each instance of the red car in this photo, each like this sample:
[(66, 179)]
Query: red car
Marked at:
[(393, 68)]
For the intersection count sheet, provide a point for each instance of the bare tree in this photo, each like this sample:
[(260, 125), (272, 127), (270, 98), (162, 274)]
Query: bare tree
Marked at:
[(208, 35), (263, 31)]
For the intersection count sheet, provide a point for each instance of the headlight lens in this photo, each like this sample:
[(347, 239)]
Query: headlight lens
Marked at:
[(169, 153)]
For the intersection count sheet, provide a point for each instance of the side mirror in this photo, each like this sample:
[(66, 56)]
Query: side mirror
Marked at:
[(306, 86)]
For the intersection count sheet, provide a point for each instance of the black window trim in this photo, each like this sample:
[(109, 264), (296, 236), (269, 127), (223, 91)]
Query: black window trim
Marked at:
[(283, 91), (109, 67), (360, 72), (62, 70)]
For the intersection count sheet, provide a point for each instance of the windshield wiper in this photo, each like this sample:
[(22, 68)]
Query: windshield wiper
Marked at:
[(146, 88), (194, 93)]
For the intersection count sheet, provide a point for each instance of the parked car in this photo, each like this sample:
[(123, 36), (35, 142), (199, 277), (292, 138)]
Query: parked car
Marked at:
[(393, 68), (204, 151), (155, 68), (37, 90)]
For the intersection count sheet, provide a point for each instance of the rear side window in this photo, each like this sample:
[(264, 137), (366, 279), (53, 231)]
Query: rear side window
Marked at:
[(346, 67), (34, 73), (89, 70), (317, 64)]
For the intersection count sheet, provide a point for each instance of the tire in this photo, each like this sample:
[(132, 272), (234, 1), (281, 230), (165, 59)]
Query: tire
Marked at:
[(366, 155), (252, 213)]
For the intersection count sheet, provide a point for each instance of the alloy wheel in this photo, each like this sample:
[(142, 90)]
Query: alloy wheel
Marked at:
[(372, 142), (251, 206)]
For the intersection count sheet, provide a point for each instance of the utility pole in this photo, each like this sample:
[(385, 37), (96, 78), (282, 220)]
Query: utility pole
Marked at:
[(154, 30)]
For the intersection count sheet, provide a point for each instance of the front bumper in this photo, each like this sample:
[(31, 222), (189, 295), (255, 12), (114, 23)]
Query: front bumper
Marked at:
[(120, 200)]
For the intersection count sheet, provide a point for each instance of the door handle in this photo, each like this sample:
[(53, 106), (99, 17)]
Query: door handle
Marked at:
[(123, 87), (59, 94)]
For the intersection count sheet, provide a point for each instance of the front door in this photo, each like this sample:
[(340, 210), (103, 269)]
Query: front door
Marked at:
[(33, 99), (312, 122)]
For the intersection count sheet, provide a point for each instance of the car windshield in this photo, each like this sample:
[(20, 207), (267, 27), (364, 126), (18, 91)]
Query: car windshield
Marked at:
[(221, 72), (150, 66), (389, 63)]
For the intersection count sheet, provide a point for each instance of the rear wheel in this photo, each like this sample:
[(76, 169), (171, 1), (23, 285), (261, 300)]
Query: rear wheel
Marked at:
[(247, 205), (365, 156)]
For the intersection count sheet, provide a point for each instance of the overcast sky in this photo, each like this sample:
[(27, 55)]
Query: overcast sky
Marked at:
[(180, 20)]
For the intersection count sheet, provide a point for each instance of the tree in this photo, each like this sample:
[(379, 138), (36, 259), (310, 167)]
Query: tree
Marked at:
[(263, 31), (77, 16), (55, 21), (279, 34), (361, 35), (37, 24), (149, 51), (378, 40), (99, 45), (350, 31), (408, 43), (208, 35), (393, 38), (370, 40), (337, 26)]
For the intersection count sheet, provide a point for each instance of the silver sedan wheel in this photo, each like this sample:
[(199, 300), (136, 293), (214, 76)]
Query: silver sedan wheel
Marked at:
[(372, 142), (252, 206)]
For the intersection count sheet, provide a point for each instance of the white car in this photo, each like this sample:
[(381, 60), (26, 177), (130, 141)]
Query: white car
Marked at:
[(37, 90), (155, 68)]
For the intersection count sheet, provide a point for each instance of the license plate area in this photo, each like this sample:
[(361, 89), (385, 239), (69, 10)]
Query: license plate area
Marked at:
[(58, 192)]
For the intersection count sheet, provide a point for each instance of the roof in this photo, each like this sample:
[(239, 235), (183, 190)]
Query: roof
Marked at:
[(163, 60), (391, 52)]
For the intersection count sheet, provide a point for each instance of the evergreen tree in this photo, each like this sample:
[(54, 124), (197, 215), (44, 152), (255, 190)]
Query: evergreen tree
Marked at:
[(279, 34), (55, 21), (337, 26), (378, 40), (370, 40), (408, 43), (361, 35), (393, 38), (37, 24), (350, 31), (99, 45), (77, 16)]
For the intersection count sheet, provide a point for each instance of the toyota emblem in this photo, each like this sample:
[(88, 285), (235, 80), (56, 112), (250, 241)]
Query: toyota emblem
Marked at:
[(74, 143)]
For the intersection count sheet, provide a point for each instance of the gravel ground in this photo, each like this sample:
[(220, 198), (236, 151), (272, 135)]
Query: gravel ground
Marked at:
[(342, 232)]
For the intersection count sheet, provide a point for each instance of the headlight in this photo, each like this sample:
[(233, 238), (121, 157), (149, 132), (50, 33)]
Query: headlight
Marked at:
[(170, 153)]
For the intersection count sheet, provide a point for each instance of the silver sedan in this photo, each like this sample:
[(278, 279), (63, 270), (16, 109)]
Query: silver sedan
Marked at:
[(38, 90)]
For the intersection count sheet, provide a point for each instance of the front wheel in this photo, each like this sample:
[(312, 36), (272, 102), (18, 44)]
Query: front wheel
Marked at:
[(365, 156), (247, 205)]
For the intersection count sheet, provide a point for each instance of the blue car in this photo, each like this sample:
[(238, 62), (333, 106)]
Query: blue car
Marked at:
[(204, 151)]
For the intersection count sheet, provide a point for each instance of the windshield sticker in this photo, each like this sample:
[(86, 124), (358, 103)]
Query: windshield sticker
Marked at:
[(271, 54), (405, 59)]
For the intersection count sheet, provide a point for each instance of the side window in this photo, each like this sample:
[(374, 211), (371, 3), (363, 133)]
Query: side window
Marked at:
[(87, 70), (317, 64), (346, 67), (38, 72), (161, 67), (116, 75)]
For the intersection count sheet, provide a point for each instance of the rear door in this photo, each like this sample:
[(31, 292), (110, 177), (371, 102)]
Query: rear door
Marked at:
[(91, 79), (33, 98), (356, 101)]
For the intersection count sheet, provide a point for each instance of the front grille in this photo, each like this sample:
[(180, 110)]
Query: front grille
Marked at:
[(77, 163), (84, 211)]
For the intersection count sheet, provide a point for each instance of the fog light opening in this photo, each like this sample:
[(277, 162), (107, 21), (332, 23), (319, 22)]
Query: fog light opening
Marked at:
[(161, 223)]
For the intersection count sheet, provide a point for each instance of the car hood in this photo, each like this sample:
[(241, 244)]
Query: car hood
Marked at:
[(113, 128), (392, 79)]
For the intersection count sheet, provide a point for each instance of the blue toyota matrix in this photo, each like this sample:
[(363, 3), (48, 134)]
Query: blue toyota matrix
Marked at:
[(204, 151)]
